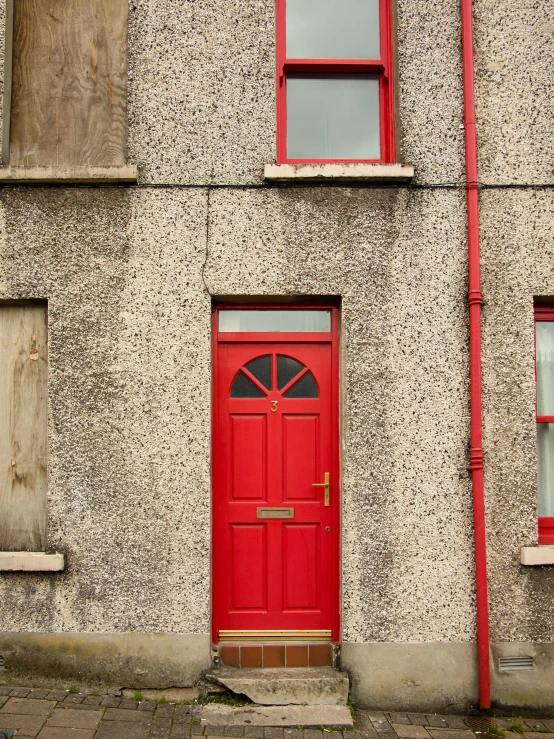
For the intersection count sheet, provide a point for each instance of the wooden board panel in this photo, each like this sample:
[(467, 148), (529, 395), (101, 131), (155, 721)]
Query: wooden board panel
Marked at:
[(69, 85), (23, 426)]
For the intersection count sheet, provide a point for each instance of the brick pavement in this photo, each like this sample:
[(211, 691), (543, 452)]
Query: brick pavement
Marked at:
[(59, 714)]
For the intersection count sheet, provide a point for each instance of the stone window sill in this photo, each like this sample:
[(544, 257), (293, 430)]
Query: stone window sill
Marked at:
[(539, 555), (338, 172), (68, 175), (31, 562)]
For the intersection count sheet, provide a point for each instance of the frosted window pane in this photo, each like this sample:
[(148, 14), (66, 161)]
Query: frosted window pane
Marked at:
[(333, 29), (333, 117), (545, 368), (545, 453), (274, 320)]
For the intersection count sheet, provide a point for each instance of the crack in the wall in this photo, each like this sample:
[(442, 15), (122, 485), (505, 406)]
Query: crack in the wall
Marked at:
[(207, 249)]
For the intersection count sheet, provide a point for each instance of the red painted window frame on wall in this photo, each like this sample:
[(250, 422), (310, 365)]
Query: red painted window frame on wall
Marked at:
[(544, 313), (382, 67)]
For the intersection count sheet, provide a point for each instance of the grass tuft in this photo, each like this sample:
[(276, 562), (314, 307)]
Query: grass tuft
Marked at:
[(72, 689), (516, 726), (162, 701), (138, 696), (496, 731)]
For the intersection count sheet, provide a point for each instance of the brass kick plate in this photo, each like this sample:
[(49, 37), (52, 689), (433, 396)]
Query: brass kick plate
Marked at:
[(275, 636), (275, 513)]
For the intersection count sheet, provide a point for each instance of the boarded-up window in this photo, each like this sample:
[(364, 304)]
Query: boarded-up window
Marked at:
[(69, 84), (23, 432)]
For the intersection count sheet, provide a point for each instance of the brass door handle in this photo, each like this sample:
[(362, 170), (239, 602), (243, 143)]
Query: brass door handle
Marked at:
[(327, 486)]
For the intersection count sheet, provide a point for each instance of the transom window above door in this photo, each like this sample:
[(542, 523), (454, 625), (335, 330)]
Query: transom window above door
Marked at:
[(274, 321), (274, 372), (335, 85)]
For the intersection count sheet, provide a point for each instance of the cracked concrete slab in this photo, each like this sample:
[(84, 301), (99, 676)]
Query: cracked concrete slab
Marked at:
[(285, 686), (316, 715)]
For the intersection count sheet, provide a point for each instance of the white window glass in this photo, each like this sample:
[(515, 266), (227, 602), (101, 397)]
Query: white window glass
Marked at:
[(544, 333), (333, 117), (333, 29), (274, 320), (545, 453)]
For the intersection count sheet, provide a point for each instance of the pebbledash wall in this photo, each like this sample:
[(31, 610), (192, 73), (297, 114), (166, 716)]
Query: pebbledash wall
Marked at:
[(130, 275)]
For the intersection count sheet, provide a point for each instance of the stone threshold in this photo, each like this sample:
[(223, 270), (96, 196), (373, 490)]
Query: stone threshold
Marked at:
[(127, 174), (31, 562)]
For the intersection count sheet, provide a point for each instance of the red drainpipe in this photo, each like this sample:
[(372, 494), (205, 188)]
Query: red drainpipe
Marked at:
[(475, 299)]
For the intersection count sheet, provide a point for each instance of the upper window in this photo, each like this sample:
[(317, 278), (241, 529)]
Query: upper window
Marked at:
[(335, 91), (544, 371)]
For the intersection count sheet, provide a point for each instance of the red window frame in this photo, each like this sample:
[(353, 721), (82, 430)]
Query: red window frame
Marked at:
[(382, 67), (543, 313)]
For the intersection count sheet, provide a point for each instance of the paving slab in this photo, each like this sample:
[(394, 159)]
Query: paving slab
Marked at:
[(26, 725), (57, 732), (122, 730), (399, 718), (405, 731), (57, 695), (111, 702), (28, 706), (277, 716), (418, 719), (20, 692), (434, 720), (93, 700), (451, 733), (72, 719), (74, 698), (119, 714), (456, 722), (288, 733), (38, 693)]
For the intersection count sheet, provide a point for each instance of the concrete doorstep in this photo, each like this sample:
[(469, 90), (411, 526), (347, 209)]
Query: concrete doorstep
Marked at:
[(280, 716)]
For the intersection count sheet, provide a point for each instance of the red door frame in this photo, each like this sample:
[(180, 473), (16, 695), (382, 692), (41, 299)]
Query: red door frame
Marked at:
[(297, 337)]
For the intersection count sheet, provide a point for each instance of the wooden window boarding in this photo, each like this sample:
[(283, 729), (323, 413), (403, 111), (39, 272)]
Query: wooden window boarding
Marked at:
[(23, 426), (65, 97)]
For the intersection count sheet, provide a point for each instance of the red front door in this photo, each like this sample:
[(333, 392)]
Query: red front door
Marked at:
[(275, 523)]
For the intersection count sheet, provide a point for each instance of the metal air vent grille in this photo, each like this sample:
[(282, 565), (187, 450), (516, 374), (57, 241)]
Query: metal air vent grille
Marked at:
[(512, 664)]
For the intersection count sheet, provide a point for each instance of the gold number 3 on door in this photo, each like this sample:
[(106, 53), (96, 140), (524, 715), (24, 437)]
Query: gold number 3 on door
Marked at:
[(274, 404)]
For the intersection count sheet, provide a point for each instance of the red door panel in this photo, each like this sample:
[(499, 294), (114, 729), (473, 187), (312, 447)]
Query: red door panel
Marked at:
[(300, 456), (275, 435), (249, 566), (249, 456), (301, 565)]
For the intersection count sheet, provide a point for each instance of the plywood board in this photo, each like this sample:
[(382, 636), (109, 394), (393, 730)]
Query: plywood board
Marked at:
[(23, 426), (69, 83)]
